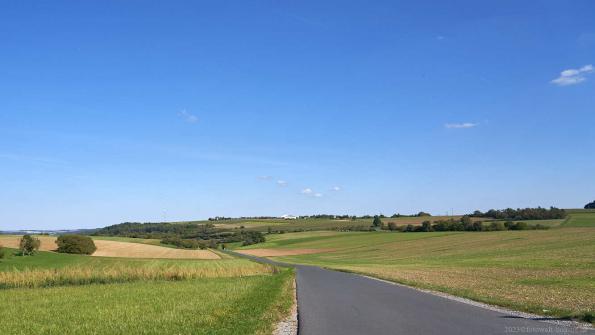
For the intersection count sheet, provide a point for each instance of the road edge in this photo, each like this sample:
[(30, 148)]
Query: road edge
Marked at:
[(524, 315)]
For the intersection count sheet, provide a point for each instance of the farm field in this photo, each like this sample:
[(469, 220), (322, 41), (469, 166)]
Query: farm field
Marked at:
[(73, 294), (247, 305), (580, 218), (548, 272), (120, 247), (316, 224)]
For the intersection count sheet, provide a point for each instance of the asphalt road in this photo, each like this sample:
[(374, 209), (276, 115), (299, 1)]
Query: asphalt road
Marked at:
[(332, 302)]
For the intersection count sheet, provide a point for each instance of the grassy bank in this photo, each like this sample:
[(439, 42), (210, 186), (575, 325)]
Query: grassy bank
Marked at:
[(247, 305), (52, 293), (548, 272)]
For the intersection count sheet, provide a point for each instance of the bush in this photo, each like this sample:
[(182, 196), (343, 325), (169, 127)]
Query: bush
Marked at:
[(392, 226), (377, 222), (3, 252), (29, 245), (426, 226), (184, 243), (76, 244), (519, 226), (496, 226)]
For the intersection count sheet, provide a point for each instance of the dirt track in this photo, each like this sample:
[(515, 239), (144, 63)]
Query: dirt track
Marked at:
[(282, 252)]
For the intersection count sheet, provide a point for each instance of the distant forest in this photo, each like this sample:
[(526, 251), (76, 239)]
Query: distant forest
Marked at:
[(180, 234), (590, 205), (538, 213)]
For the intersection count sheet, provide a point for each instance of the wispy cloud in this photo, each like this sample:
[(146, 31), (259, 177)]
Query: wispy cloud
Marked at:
[(307, 191), (336, 188), (190, 118), (573, 76), (464, 125), (282, 183)]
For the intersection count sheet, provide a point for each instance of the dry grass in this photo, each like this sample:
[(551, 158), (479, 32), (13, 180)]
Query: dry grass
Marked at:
[(138, 250), (125, 272), (120, 249)]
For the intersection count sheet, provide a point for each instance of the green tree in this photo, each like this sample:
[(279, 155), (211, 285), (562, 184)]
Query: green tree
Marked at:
[(76, 244), (29, 245), (377, 222), (3, 252)]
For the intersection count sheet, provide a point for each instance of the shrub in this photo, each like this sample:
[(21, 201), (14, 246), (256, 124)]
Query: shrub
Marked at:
[(497, 226), (29, 245), (377, 222), (392, 226), (3, 252), (587, 317), (76, 244), (426, 226), (184, 243), (518, 226)]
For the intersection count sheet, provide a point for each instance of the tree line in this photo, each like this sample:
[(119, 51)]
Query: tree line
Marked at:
[(538, 213), (465, 223), (183, 235)]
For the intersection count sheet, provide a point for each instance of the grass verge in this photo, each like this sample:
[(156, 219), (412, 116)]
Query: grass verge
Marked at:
[(246, 305)]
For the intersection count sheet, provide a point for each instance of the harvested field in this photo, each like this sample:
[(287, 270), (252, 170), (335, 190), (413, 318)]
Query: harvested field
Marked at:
[(48, 243), (138, 250), (282, 252), (120, 249)]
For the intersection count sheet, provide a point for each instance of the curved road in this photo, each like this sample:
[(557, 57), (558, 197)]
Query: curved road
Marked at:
[(332, 302)]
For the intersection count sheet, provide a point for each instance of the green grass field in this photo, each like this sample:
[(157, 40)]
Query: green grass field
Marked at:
[(580, 218), (548, 272), (248, 305), (51, 293)]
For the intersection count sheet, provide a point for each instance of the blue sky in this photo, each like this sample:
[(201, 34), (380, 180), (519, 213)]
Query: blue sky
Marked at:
[(116, 111)]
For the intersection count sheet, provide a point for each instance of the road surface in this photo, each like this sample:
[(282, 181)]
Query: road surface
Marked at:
[(338, 303)]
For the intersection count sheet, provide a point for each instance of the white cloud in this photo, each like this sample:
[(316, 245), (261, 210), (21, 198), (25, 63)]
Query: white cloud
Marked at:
[(307, 191), (190, 118), (336, 188), (281, 183), (461, 125), (573, 76)]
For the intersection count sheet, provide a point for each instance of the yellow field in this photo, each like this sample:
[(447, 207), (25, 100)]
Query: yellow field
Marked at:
[(120, 249)]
